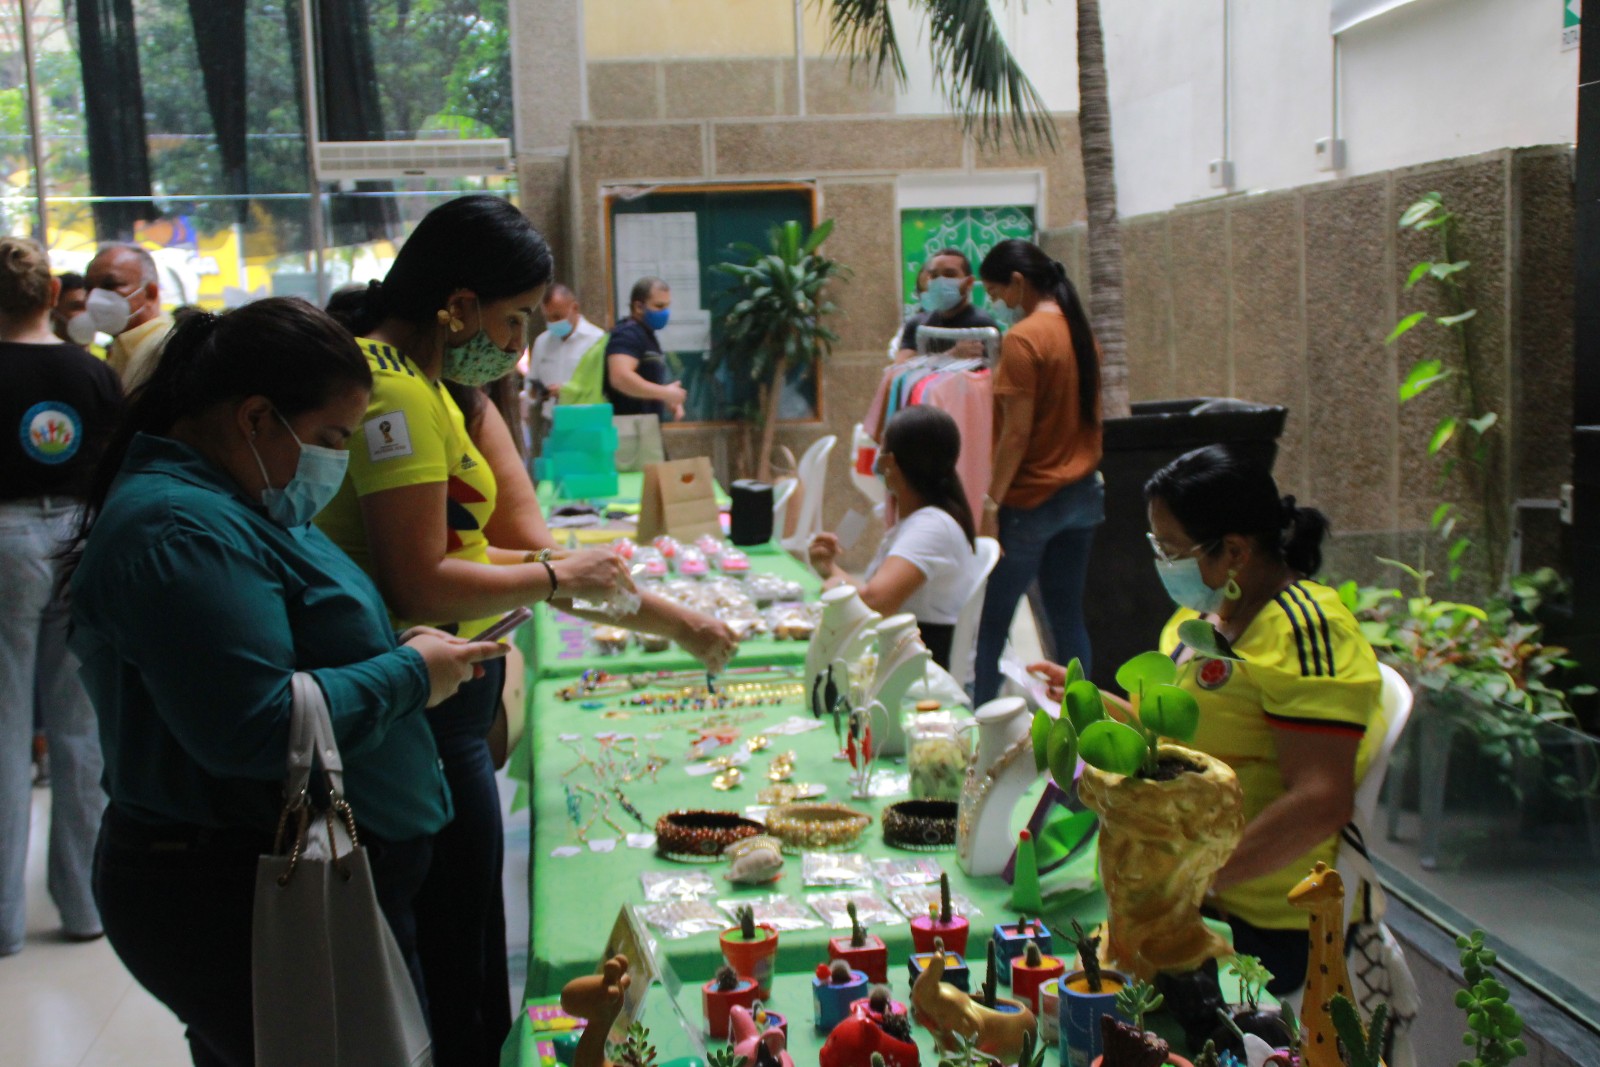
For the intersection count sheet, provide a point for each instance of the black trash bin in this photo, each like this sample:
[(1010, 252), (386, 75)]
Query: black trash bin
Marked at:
[(1125, 604)]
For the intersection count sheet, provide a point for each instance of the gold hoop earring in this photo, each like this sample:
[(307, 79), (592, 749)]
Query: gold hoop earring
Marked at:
[(1232, 590)]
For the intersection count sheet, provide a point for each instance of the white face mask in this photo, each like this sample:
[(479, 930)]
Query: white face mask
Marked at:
[(108, 310), (80, 328)]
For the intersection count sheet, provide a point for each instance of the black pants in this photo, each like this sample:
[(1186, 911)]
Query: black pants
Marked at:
[(937, 637), (461, 912), (176, 905)]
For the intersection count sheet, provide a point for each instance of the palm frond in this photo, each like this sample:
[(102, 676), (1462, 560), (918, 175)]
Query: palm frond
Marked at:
[(863, 32), (974, 68)]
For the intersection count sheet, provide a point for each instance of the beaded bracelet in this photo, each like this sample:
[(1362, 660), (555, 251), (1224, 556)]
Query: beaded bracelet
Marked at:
[(808, 827), (920, 825), (700, 836)]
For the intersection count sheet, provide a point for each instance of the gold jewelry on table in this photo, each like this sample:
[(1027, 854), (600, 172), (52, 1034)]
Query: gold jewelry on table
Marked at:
[(781, 768), (811, 827), (728, 779), (784, 792), (757, 743)]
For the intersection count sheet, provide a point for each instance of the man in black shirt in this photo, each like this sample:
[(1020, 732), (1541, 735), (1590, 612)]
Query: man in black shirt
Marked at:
[(949, 302), (638, 380)]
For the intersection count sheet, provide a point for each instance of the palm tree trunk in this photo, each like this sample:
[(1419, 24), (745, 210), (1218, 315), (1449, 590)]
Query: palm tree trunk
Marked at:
[(769, 420), (1100, 196)]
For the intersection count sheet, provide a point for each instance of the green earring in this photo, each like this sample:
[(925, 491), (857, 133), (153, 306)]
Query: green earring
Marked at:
[(1232, 590)]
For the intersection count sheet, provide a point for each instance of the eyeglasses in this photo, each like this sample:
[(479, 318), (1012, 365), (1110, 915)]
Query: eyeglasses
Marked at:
[(1165, 556)]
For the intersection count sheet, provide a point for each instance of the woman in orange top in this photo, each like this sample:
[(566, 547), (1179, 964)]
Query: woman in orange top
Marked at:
[(1045, 495)]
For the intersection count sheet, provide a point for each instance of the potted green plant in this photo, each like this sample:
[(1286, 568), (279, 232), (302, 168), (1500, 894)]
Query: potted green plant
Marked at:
[(988, 991), (944, 924), (1249, 1017), (749, 948), (1362, 1046), (718, 996), (1086, 995), (861, 950), (1129, 1044), (778, 319), (1030, 971), (834, 988), (1170, 816)]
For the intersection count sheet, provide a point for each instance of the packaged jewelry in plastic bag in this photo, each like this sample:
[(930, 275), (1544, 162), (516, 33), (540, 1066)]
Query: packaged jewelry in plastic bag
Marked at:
[(678, 919), (897, 874), (914, 900), (871, 909), (660, 886), (836, 869), (776, 911)]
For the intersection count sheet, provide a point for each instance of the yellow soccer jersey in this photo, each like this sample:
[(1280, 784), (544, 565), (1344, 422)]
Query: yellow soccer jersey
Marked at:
[(413, 434), (1306, 668)]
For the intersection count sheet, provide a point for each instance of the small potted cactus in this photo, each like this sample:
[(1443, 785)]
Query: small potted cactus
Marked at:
[(861, 950), (878, 1003), (1011, 937), (1130, 1044), (719, 995), (834, 988), (749, 948), (1032, 970), (988, 991), (955, 966), (1086, 995), (944, 924)]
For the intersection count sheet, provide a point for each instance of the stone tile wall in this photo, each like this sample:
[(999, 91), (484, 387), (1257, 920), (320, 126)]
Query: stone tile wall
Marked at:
[(1287, 297)]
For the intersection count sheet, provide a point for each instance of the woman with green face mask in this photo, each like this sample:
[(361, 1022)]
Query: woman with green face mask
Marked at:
[(414, 512)]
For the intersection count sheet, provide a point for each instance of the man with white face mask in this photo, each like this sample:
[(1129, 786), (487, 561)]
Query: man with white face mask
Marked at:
[(125, 302), (947, 303)]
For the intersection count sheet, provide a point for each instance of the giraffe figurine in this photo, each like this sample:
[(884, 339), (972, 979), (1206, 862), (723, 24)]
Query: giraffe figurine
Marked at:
[(1322, 894)]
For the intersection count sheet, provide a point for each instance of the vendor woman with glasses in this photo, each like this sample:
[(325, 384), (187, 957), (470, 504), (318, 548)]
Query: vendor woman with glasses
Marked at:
[(1297, 716)]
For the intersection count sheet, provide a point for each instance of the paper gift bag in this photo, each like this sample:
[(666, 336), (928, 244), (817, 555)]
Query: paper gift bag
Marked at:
[(680, 499)]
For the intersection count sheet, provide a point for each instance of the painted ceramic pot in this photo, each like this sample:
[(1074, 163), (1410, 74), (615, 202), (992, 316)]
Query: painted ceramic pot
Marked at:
[(831, 1000), (873, 957), (717, 1003), (752, 959), (925, 928), (1080, 1011)]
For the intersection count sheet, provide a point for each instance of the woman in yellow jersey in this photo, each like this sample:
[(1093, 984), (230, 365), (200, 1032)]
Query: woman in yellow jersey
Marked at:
[(1294, 715), (413, 512)]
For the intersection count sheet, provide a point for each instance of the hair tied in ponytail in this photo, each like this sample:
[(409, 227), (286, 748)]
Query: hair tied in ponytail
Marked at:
[(1060, 269), (1290, 511)]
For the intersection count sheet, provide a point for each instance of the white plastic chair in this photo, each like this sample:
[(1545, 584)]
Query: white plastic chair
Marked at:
[(813, 472), (782, 490), (1397, 701), (868, 485), (964, 642)]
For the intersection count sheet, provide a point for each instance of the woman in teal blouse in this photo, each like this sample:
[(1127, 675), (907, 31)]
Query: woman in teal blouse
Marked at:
[(199, 592)]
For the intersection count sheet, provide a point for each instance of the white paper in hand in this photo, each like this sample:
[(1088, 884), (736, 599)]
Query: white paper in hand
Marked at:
[(850, 529)]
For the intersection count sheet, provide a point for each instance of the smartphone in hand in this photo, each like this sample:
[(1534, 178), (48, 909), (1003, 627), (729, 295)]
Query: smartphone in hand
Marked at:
[(505, 624)]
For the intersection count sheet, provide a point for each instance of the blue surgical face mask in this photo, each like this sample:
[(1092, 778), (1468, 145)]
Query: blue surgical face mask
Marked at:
[(656, 318), (317, 478), (1187, 587), (561, 329), (942, 294), (1004, 313)]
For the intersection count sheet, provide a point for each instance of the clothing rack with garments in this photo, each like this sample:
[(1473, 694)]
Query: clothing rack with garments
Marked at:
[(963, 387)]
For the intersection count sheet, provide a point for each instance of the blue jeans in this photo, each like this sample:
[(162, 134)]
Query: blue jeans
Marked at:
[(1050, 543), (38, 672)]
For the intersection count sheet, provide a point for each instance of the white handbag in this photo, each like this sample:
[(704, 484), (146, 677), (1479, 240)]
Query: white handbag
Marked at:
[(330, 984)]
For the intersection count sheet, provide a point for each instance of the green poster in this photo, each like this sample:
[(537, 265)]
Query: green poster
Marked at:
[(974, 230)]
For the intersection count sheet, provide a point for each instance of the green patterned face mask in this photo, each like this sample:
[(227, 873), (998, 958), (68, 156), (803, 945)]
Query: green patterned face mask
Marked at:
[(479, 361)]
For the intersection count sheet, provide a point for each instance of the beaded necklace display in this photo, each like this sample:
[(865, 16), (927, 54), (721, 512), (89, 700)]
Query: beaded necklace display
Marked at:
[(975, 789)]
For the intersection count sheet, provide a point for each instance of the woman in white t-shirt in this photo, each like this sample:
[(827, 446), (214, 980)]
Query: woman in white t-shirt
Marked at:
[(925, 564)]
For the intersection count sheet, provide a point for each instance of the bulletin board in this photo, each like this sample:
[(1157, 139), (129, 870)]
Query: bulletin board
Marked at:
[(679, 233), (974, 230)]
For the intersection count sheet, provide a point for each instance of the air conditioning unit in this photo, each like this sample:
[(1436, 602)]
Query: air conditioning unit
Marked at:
[(351, 160)]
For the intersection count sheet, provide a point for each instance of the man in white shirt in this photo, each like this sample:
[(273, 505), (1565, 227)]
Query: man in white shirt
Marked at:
[(556, 351)]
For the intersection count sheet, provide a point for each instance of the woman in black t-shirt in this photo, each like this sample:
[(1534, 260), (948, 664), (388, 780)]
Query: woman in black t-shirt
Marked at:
[(56, 412), (638, 380)]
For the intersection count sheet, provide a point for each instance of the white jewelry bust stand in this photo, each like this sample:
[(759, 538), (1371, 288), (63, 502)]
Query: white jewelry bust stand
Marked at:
[(1001, 771), (902, 661), (844, 632)]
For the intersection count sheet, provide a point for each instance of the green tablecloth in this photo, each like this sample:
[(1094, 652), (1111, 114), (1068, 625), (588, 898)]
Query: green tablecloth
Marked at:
[(561, 649), (573, 900)]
